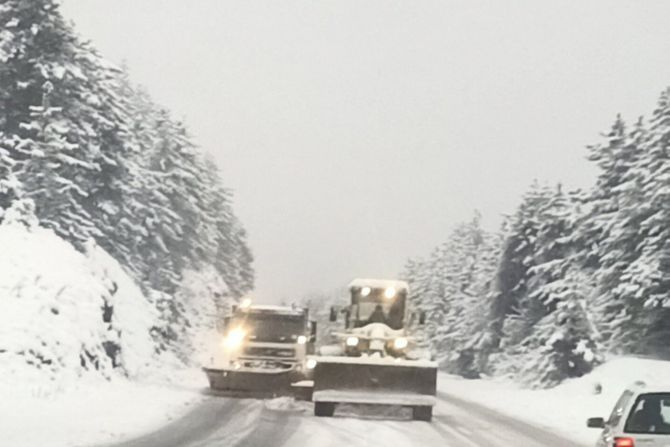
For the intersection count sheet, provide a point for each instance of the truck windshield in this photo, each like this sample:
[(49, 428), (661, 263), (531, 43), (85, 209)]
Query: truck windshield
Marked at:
[(271, 328)]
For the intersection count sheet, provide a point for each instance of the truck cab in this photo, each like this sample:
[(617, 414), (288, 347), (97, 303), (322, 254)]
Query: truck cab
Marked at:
[(263, 349)]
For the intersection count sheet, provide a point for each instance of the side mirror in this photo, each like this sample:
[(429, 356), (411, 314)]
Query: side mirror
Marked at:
[(333, 314), (595, 423), (312, 331), (221, 325), (422, 318)]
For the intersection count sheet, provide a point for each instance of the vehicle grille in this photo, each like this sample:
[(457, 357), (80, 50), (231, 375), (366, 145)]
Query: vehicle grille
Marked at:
[(259, 351)]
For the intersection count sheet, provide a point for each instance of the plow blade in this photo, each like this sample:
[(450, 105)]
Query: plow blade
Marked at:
[(255, 384), (363, 380)]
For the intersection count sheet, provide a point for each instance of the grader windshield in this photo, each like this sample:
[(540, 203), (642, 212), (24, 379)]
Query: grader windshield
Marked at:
[(378, 303)]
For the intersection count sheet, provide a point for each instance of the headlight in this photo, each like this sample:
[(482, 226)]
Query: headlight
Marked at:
[(302, 339), (365, 291), (400, 343), (389, 292), (352, 341), (310, 364), (234, 338)]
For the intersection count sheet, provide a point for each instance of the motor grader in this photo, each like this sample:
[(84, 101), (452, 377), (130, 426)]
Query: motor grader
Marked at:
[(377, 359)]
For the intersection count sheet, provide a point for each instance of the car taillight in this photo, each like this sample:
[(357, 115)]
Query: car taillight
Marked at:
[(624, 442)]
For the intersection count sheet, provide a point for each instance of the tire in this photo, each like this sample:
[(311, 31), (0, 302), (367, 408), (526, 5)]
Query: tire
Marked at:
[(422, 413), (324, 409)]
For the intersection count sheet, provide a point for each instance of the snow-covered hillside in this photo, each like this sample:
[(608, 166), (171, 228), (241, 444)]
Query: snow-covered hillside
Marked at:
[(64, 313), (566, 407), (77, 358)]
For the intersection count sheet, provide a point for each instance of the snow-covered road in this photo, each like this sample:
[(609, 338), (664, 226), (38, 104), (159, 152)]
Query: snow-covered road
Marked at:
[(281, 422)]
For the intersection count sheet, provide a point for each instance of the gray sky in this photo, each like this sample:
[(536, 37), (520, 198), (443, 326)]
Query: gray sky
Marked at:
[(357, 133)]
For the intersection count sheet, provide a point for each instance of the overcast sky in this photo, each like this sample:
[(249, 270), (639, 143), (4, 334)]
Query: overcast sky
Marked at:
[(357, 133)]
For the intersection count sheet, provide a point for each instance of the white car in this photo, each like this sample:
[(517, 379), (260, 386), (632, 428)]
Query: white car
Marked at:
[(641, 418)]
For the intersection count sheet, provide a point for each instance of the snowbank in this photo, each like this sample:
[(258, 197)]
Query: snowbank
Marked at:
[(78, 364), (64, 313), (95, 411), (565, 408)]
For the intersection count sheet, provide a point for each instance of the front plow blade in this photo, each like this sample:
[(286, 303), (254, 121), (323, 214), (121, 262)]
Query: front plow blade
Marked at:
[(255, 384), (385, 381)]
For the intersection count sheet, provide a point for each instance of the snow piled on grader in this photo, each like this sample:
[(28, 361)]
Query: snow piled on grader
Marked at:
[(64, 313)]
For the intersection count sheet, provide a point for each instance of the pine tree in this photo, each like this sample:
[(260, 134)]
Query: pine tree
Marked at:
[(50, 170), (640, 298), (532, 291), (510, 317), (608, 229), (9, 185), (44, 51), (561, 345), (232, 257), (560, 340), (452, 287)]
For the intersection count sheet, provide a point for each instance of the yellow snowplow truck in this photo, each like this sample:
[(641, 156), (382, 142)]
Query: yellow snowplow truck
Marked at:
[(262, 352), (377, 360)]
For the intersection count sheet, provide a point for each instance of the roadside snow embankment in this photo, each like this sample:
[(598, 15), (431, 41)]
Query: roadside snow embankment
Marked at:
[(78, 364), (94, 412), (64, 313), (565, 408)]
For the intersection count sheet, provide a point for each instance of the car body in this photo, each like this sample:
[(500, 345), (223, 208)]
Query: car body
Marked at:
[(640, 418)]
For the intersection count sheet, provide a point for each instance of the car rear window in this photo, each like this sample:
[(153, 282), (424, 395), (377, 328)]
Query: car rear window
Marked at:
[(650, 415)]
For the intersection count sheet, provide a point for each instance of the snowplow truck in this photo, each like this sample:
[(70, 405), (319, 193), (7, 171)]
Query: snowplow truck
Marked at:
[(377, 360), (262, 352)]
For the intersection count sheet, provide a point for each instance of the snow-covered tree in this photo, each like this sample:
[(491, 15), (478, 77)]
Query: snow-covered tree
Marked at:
[(9, 184), (51, 172), (561, 344), (452, 286), (512, 313), (560, 335), (638, 299)]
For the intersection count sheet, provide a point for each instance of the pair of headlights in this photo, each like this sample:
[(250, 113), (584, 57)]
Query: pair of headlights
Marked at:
[(399, 343)]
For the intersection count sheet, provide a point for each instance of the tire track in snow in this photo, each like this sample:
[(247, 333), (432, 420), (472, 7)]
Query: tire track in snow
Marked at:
[(360, 426), (220, 421), (273, 427), (197, 424), (234, 430)]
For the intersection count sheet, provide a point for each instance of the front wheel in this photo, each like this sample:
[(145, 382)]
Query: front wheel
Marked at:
[(324, 409), (422, 413)]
